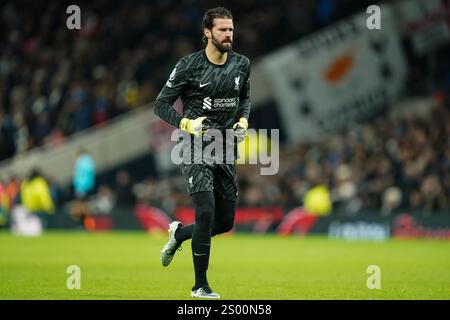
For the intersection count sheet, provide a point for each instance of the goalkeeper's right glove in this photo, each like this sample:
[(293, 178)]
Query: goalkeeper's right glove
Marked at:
[(195, 127)]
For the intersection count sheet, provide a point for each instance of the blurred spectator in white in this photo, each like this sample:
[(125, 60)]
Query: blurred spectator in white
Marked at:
[(392, 199), (23, 223), (103, 202), (344, 193)]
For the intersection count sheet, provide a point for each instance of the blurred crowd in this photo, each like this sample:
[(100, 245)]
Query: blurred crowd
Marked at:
[(394, 163), (55, 82)]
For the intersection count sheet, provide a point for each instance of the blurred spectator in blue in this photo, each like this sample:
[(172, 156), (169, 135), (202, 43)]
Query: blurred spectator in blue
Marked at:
[(83, 184), (84, 174)]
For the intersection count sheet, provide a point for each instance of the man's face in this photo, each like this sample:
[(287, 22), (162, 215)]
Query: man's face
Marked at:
[(222, 34)]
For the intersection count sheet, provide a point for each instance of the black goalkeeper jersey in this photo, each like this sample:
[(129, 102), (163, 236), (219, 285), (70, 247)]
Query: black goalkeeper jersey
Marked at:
[(221, 93)]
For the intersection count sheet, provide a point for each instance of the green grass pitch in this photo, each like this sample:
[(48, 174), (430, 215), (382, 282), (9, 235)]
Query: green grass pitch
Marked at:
[(126, 265)]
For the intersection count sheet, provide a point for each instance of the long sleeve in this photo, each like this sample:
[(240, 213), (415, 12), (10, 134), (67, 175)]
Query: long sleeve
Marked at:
[(177, 83), (244, 97)]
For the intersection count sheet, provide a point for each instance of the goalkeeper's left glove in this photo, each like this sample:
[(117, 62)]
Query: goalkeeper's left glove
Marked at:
[(240, 129)]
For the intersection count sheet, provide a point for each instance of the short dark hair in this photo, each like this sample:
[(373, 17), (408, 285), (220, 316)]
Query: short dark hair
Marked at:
[(210, 15)]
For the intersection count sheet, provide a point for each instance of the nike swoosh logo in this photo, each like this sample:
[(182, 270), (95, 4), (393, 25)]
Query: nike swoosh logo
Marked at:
[(204, 84), (200, 254)]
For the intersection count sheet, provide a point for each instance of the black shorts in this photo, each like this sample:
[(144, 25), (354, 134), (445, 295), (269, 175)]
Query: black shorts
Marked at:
[(216, 177)]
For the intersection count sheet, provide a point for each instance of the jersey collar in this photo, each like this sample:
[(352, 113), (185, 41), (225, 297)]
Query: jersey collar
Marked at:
[(217, 65)]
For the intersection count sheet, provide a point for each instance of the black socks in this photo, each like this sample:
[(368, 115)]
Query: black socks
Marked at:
[(201, 234), (184, 233)]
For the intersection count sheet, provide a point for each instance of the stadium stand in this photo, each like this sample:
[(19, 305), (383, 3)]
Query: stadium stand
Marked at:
[(55, 84)]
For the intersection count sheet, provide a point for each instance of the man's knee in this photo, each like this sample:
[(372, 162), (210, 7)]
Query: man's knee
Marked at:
[(223, 227), (204, 210)]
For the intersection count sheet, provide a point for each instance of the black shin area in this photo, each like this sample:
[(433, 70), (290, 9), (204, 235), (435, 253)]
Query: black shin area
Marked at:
[(201, 234)]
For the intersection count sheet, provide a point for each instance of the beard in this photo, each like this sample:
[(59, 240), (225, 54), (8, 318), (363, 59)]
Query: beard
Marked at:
[(223, 47)]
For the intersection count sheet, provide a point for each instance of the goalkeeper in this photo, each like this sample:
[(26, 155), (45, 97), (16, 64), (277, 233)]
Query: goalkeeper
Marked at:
[(214, 88)]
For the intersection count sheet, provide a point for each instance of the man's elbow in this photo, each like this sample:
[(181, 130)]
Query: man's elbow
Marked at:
[(157, 108)]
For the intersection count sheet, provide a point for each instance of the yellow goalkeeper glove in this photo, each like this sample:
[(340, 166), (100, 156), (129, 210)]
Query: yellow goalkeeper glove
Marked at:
[(240, 129), (194, 127)]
